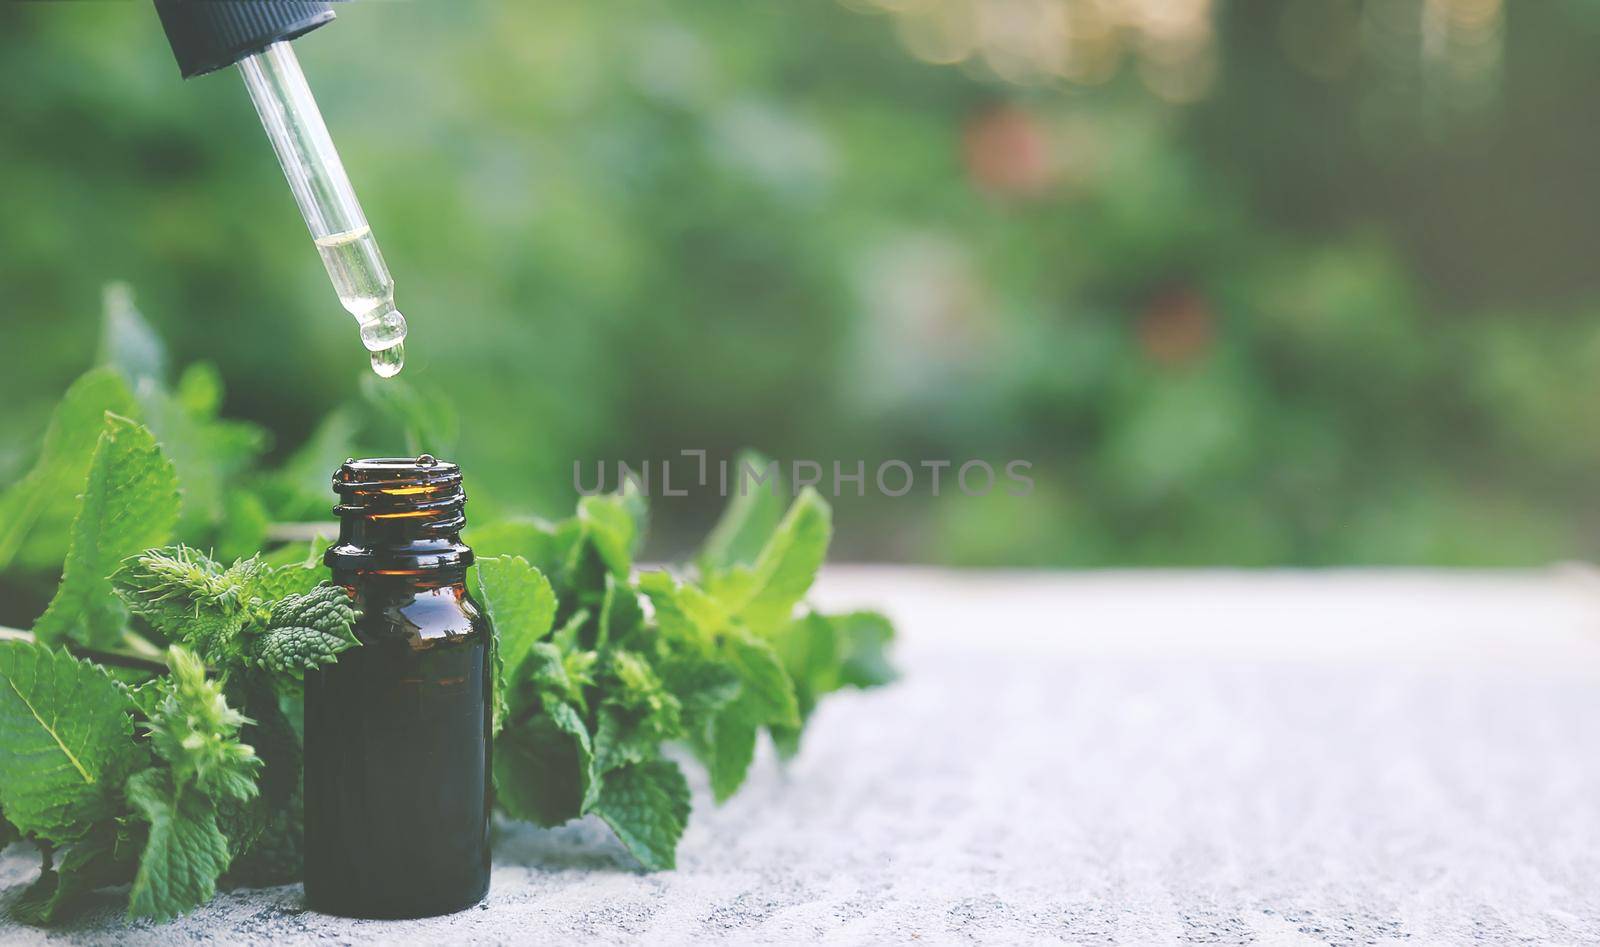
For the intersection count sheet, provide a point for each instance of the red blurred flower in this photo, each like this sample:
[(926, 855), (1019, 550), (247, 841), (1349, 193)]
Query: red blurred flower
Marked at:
[(1007, 152)]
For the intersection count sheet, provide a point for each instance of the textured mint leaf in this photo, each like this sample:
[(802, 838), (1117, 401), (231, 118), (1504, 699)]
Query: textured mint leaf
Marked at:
[(294, 578), (293, 650), (46, 496), (186, 852), (546, 674), (702, 684), (130, 503), (637, 713), (545, 671), (326, 609), (619, 739), (188, 597), (747, 522), (787, 566), (66, 741), (725, 740), (521, 607), (544, 767), (647, 805), (305, 630)]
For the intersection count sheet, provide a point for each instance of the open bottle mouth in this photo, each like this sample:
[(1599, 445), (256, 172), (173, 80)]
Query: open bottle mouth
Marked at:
[(399, 513)]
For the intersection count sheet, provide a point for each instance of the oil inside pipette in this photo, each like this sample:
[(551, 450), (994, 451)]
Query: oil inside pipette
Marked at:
[(366, 290)]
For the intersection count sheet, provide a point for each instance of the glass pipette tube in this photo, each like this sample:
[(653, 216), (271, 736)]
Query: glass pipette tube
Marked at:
[(327, 201)]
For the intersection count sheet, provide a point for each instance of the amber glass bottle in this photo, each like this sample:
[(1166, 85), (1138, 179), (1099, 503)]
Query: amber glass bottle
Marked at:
[(397, 731)]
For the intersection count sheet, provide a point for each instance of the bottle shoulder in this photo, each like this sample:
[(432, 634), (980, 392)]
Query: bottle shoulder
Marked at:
[(423, 617)]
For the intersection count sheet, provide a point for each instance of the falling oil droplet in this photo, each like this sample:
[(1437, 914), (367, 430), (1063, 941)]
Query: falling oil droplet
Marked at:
[(388, 362)]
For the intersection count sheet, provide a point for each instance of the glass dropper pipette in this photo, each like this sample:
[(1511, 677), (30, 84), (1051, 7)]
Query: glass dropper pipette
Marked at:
[(327, 201)]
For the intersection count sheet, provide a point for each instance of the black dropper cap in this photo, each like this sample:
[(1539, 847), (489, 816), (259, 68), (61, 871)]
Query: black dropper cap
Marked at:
[(207, 35)]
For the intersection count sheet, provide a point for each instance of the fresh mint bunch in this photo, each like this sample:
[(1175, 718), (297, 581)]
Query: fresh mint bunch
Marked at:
[(601, 667)]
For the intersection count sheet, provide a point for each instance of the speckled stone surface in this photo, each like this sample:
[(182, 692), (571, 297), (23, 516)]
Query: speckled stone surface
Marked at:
[(1277, 758)]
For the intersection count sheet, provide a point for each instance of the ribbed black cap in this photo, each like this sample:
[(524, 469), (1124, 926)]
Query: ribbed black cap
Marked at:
[(209, 34)]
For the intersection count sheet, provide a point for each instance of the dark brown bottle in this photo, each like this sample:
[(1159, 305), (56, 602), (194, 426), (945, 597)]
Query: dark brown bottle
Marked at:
[(397, 784)]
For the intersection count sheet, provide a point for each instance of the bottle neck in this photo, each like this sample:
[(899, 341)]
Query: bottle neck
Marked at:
[(399, 517)]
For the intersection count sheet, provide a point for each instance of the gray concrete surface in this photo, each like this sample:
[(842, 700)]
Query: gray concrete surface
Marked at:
[(1279, 758)]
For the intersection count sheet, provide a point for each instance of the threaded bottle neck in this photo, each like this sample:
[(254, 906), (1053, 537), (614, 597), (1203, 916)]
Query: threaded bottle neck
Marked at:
[(399, 515)]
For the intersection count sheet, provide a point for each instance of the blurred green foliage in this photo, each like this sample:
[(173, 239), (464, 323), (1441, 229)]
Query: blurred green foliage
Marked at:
[(1298, 322)]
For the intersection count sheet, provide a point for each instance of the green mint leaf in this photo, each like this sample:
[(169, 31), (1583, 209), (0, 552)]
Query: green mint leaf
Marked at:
[(746, 523), (46, 497), (767, 693), (547, 547), (186, 852), (206, 452), (684, 612), (787, 565), (326, 609), (549, 672), (702, 684), (66, 741), (637, 715), (809, 650), (127, 343), (130, 502), (727, 749), (521, 607), (200, 390), (195, 731), (544, 767), (864, 639), (610, 526), (295, 578), (647, 806), (305, 630), (621, 615), (293, 650)]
